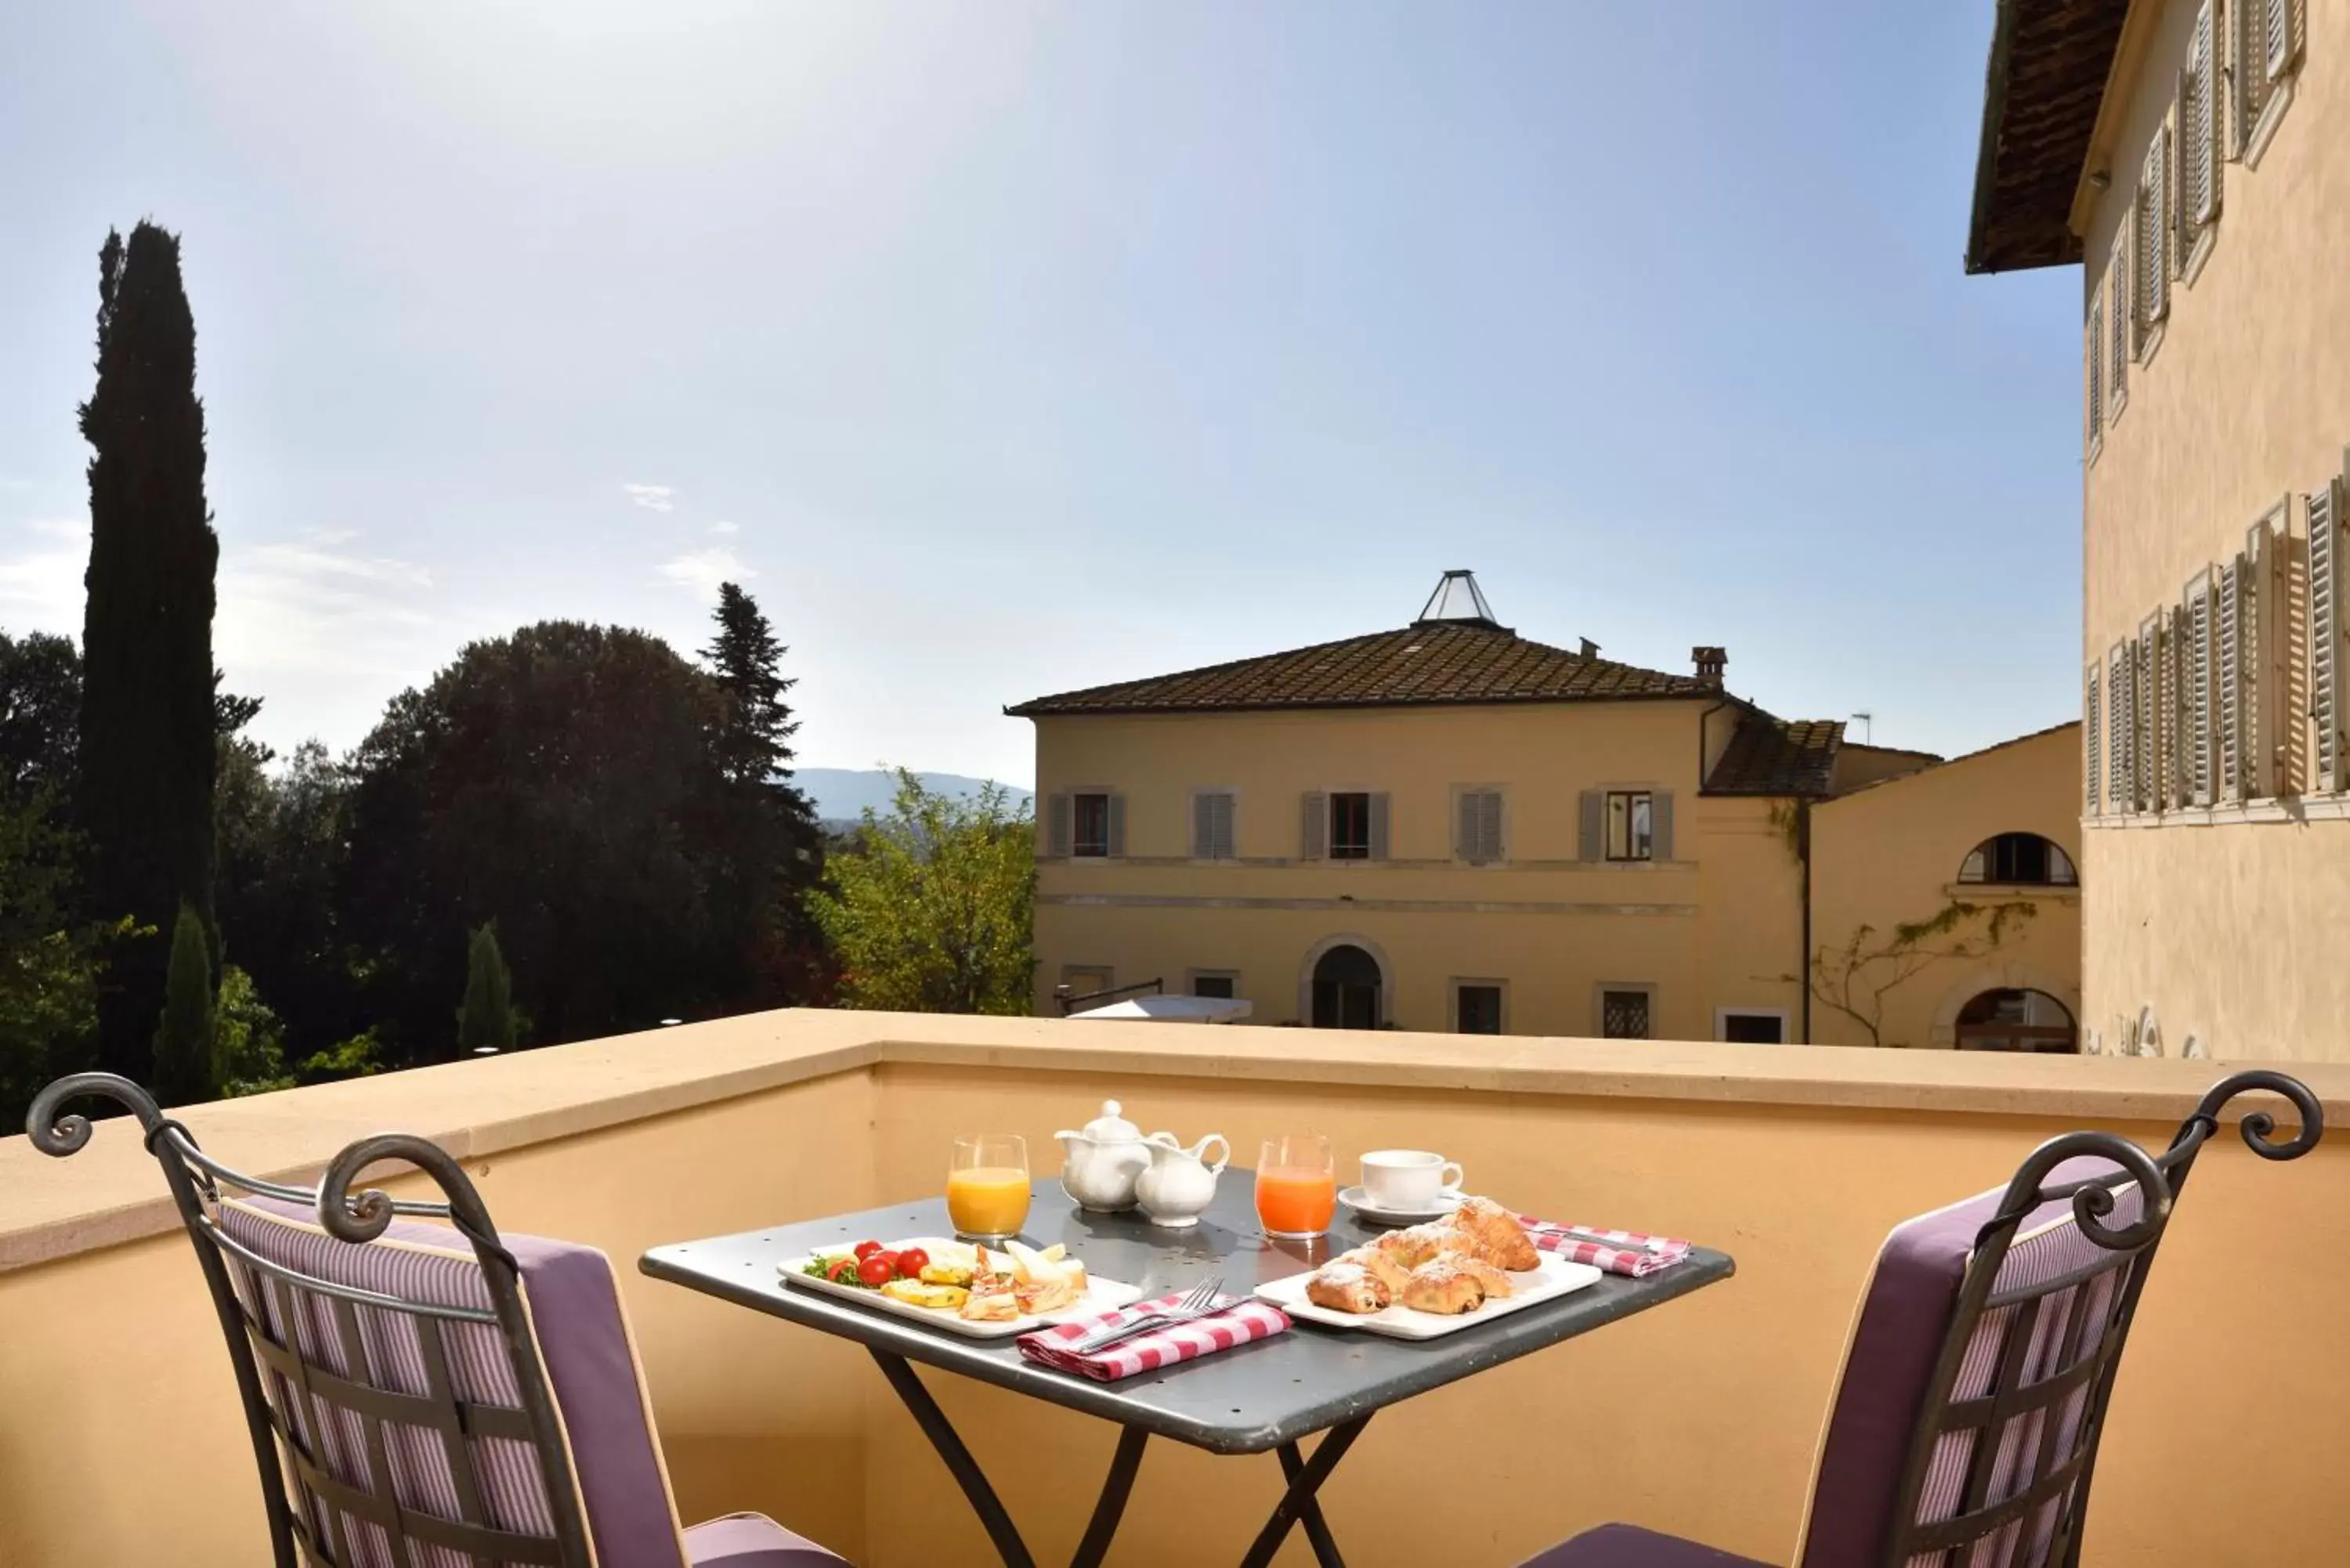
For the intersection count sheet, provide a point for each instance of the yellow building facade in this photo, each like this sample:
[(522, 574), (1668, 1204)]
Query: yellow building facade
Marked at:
[(2194, 156), (1450, 827)]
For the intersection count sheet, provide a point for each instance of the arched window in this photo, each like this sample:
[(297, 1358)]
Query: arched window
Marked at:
[(2024, 859), (2030, 1020), (1346, 989)]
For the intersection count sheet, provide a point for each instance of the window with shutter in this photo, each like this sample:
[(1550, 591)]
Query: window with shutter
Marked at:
[(2264, 38), (2096, 399), (1661, 824), (1477, 831), (2325, 585), (1490, 828), (1631, 824), (2160, 744), (1378, 827), (2154, 235), (2178, 689), (1313, 826), (1350, 826), (2091, 742), (1117, 807), (1057, 825), (2117, 319), (2262, 678), (2116, 725), (1590, 818), (2199, 131), (2133, 725), (2197, 610), (2280, 35), (1212, 825), (2230, 682)]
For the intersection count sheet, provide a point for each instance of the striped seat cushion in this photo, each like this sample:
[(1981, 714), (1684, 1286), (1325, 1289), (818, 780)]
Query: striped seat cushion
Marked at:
[(1904, 1315), (573, 1307)]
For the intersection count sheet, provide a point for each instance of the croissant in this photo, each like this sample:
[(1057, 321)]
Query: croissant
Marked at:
[(1418, 1245), (1492, 1281), (1346, 1287), (1381, 1266), (1443, 1286), (1495, 1234)]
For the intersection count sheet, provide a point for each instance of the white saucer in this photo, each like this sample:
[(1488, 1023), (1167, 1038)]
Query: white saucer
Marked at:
[(1361, 1202)]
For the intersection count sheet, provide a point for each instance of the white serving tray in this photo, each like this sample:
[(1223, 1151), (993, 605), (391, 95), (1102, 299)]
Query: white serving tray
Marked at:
[(1101, 1295), (1553, 1277)]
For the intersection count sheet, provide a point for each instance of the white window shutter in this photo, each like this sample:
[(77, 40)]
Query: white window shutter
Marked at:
[(2158, 745), (2201, 126), (2326, 585), (1057, 825), (1493, 843), (1660, 826), (2091, 740), (2132, 726), (2154, 264), (2097, 370), (1378, 827), (2263, 681), (2117, 314), (1591, 827), (2277, 35), (1313, 825), (1203, 826), (1465, 828), (2117, 713), (2227, 611), (2178, 708)]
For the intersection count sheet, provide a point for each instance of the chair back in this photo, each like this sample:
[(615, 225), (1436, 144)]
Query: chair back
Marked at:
[(418, 1395), (1966, 1424)]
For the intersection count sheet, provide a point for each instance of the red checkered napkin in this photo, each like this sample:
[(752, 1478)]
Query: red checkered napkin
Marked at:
[(1634, 1254), (1239, 1323)]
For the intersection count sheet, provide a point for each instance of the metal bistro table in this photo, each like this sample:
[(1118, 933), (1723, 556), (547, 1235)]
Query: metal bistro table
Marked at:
[(1258, 1397)]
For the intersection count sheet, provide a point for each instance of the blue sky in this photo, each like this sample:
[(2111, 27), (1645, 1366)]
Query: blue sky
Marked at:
[(1001, 348)]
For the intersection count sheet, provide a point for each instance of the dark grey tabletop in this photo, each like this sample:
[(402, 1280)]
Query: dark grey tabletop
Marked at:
[(1243, 1401)]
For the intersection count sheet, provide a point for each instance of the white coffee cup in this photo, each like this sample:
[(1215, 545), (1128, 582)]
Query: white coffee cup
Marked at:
[(1405, 1179)]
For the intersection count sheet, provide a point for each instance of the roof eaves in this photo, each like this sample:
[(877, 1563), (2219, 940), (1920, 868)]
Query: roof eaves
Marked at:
[(2002, 48)]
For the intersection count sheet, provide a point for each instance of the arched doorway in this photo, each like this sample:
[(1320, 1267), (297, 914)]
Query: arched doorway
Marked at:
[(2011, 1020), (1346, 989)]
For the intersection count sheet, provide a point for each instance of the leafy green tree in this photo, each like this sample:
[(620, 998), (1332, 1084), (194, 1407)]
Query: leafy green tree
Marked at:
[(283, 851), (49, 955), (144, 798), (187, 1062), (788, 958), (933, 910), (40, 713), (486, 1018), (563, 782), (248, 1037)]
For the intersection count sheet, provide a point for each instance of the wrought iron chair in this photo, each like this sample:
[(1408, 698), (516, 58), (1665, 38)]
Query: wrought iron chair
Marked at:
[(1966, 1423), (420, 1396)]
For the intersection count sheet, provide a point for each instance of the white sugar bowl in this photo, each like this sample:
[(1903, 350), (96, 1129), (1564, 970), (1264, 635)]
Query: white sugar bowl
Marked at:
[(1101, 1163), (1180, 1183)]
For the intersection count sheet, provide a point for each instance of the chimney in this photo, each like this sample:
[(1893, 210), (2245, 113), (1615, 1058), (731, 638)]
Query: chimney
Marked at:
[(1589, 649), (1710, 662)]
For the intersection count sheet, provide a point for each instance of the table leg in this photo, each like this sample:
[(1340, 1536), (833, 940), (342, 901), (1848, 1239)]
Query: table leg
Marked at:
[(1299, 1501), (983, 1501), (1309, 1514), (1112, 1502)]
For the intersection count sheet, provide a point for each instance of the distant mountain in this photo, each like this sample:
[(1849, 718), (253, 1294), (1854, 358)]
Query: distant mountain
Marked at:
[(841, 795)]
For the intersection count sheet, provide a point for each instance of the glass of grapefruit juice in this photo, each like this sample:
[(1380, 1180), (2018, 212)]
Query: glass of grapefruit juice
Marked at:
[(1296, 1187), (987, 1186)]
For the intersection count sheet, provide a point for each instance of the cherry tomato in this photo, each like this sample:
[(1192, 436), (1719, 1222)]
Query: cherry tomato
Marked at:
[(911, 1262), (842, 1270), (878, 1270), (865, 1249)]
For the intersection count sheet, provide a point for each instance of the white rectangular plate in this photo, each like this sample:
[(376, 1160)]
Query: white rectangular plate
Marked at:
[(1554, 1277), (1100, 1295)]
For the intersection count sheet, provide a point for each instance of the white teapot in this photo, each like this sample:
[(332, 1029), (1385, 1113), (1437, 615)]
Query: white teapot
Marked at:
[(1180, 1183), (1100, 1164)]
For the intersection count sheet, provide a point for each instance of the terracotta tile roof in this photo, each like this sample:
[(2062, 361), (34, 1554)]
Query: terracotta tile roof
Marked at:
[(1777, 756), (2049, 60), (1442, 663)]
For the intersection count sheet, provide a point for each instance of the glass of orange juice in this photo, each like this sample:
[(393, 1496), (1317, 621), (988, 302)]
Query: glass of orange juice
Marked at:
[(987, 1186), (1296, 1187)]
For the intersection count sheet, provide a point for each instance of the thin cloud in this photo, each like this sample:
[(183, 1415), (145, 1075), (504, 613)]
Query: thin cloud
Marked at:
[(703, 570), (40, 591), (723, 527), (305, 606), (652, 497)]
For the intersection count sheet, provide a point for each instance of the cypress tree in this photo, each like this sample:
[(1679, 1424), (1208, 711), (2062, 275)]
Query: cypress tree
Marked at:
[(187, 1066), (487, 1017), (144, 794)]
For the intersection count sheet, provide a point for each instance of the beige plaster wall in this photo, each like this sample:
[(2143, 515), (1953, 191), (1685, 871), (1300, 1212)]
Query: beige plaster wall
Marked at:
[(2246, 399), (1891, 853), (118, 1438), (1717, 926)]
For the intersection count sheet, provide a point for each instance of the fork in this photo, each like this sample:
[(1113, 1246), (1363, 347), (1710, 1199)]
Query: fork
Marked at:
[(1200, 1301)]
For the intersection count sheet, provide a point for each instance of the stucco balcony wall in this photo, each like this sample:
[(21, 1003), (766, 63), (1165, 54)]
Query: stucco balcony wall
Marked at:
[(121, 1440)]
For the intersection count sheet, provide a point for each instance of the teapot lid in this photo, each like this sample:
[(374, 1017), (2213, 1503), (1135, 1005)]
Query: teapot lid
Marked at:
[(1111, 1128)]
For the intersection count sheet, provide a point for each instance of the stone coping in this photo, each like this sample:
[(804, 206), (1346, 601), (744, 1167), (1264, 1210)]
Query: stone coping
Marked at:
[(111, 1193)]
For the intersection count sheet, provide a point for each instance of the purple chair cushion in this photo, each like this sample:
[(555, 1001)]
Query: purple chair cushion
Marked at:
[(1904, 1315), (1629, 1546), (573, 1307), (752, 1540)]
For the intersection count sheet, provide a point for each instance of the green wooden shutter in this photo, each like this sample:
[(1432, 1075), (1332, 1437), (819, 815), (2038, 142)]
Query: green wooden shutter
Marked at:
[(1313, 825), (1660, 826), (1057, 825), (1592, 835)]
